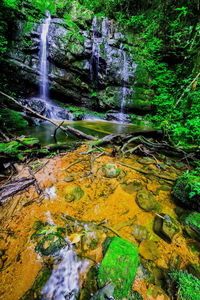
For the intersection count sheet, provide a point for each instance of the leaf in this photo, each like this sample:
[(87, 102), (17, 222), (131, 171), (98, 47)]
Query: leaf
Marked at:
[(75, 237)]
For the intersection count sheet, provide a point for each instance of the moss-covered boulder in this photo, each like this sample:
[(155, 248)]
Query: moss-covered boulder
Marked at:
[(191, 223), (119, 265), (73, 193), (146, 201), (110, 171), (187, 191), (12, 120), (49, 238), (166, 227)]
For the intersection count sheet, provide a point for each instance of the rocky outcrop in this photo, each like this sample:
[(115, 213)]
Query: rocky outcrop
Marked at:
[(90, 64)]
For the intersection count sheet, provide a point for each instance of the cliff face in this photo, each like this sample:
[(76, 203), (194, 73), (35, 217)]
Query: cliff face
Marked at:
[(90, 64)]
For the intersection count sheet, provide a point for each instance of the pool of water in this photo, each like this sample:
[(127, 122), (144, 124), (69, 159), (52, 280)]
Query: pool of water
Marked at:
[(45, 131)]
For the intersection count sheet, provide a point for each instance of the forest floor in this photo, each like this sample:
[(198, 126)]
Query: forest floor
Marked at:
[(100, 199)]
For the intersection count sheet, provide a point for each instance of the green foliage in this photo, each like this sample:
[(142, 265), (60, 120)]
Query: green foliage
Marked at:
[(11, 120), (188, 286)]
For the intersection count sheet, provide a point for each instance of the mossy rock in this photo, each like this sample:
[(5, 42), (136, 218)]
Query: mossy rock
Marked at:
[(119, 265), (17, 149), (110, 171), (165, 227), (12, 120), (191, 223), (73, 193), (146, 201), (187, 191), (149, 250), (49, 238), (140, 232), (187, 286)]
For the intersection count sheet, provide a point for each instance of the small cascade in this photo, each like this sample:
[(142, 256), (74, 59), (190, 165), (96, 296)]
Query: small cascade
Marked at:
[(110, 61), (94, 61), (125, 90), (64, 281)]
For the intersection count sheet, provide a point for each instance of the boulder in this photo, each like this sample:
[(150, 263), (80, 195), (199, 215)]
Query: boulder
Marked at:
[(191, 223), (149, 250), (146, 201), (73, 193), (110, 171), (165, 227), (140, 232), (119, 265)]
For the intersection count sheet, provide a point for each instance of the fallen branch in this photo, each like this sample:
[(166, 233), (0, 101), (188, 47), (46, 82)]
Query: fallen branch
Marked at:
[(74, 131), (11, 188), (55, 131), (147, 173)]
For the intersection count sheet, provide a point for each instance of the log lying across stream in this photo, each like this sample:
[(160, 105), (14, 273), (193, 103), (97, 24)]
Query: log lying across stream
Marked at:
[(117, 138)]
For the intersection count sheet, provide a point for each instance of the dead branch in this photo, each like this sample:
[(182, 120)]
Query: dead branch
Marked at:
[(74, 131), (147, 173), (55, 131), (11, 188)]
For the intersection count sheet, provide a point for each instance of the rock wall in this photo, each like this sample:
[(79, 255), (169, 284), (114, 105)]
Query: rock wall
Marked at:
[(90, 63)]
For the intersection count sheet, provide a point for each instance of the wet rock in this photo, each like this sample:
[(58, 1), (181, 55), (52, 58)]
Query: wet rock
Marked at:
[(184, 191), (149, 250), (165, 227), (175, 262), (50, 244), (146, 201), (73, 193), (131, 186), (49, 238), (104, 293), (140, 232), (90, 284), (110, 171), (119, 265), (191, 223), (69, 179)]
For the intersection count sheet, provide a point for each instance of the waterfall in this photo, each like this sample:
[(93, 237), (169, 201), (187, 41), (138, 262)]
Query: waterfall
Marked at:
[(52, 111), (94, 61), (64, 281), (125, 90), (44, 66)]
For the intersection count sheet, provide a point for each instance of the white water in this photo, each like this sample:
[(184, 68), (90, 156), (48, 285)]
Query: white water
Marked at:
[(64, 281), (44, 66), (94, 61)]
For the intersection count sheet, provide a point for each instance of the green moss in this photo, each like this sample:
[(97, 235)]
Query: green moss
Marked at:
[(191, 222), (11, 120), (188, 286), (49, 238), (119, 265), (17, 149)]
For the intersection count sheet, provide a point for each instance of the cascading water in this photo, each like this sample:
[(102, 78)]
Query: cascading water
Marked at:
[(44, 66), (106, 58), (64, 281), (51, 111)]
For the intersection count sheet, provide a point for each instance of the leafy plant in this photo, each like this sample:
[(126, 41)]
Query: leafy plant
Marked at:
[(188, 286)]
